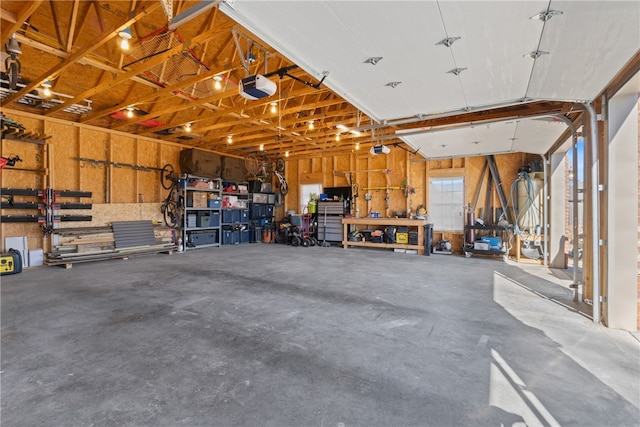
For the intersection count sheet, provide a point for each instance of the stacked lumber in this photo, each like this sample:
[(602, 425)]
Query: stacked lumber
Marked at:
[(83, 244)]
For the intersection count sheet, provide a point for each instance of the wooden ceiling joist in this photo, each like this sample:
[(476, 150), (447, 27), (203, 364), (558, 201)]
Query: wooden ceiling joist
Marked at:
[(76, 56)]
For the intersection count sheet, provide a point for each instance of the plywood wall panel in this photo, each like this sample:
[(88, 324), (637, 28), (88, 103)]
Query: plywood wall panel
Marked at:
[(148, 190), (105, 214), (417, 180), (94, 145), (64, 148), (327, 172), (32, 158), (341, 168), (362, 179), (291, 200), (124, 187)]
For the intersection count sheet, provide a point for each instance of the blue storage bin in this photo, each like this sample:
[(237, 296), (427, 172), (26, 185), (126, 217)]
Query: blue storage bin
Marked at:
[(215, 204), (244, 236), (494, 242), (203, 238), (244, 215), (230, 237), (230, 216), (214, 219)]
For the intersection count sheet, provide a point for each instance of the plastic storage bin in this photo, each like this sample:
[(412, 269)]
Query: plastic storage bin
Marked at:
[(214, 219), (204, 238)]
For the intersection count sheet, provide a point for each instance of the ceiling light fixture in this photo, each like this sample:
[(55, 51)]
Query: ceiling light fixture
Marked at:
[(261, 147), (286, 154), (337, 137), (456, 71), (187, 127), (229, 139), (217, 85), (311, 126), (448, 41), (47, 88), (393, 84), (546, 15), (130, 110), (536, 54), (357, 145), (125, 35), (274, 107), (342, 127), (373, 60)]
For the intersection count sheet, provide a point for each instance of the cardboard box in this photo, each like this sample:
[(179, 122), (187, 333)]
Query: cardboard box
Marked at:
[(200, 200)]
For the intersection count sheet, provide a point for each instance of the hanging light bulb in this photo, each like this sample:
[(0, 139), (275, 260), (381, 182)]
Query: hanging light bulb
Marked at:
[(130, 112), (217, 85), (125, 36), (229, 139), (311, 126), (47, 88), (357, 145), (337, 137), (274, 107), (286, 154), (187, 127), (261, 147)]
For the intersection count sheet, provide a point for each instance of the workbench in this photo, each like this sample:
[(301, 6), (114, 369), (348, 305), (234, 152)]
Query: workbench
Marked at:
[(381, 224)]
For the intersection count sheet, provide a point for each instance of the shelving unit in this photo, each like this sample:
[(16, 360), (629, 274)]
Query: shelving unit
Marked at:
[(498, 231), (235, 213), (201, 220), (261, 214)]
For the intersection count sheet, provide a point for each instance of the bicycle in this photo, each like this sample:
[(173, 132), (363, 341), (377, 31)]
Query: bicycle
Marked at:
[(172, 205), (9, 161), (12, 64), (260, 168)]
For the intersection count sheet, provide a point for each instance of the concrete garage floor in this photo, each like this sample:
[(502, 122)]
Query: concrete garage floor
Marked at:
[(271, 335)]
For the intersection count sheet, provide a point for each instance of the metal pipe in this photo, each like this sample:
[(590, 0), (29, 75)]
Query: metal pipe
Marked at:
[(595, 213)]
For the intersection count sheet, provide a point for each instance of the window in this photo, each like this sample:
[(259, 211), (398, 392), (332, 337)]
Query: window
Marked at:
[(306, 190), (446, 203)]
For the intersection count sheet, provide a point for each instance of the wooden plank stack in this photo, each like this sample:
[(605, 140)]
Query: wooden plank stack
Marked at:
[(84, 244)]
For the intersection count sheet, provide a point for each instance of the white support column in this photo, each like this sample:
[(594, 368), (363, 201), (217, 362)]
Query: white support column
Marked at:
[(622, 278), (557, 237)]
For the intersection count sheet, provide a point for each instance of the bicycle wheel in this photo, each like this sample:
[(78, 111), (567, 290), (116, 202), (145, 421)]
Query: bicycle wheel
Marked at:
[(284, 187), (280, 164), (13, 75), (252, 164), (170, 213), (167, 176)]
